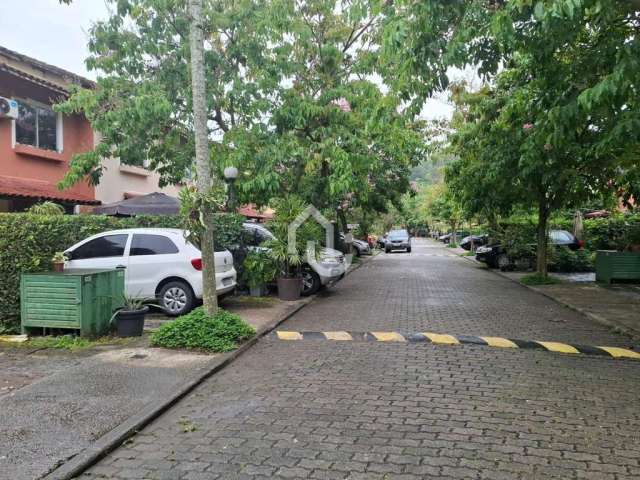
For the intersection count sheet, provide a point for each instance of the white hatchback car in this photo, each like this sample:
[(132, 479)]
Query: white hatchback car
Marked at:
[(160, 263)]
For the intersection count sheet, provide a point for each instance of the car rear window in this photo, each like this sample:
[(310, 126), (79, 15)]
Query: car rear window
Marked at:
[(102, 247), (146, 244)]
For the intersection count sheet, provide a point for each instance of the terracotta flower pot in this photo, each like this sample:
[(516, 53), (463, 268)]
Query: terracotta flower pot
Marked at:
[(289, 288), (58, 266)]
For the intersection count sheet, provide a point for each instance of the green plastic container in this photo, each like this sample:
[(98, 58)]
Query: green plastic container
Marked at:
[(83, 300), (612, 265)]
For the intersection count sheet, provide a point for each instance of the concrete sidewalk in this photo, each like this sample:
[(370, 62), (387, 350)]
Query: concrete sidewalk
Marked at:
[(616, 306), (55, 404)]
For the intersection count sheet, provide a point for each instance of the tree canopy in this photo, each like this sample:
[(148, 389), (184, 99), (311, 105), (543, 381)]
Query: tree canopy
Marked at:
[(294, 93)]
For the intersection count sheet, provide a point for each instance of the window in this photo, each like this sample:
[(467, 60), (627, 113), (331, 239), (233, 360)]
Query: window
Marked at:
[(152, 245), (37, 126), (107, 246)]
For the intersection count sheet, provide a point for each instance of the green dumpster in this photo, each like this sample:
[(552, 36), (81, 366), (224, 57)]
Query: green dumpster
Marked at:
[(612, 265), (79, 299)]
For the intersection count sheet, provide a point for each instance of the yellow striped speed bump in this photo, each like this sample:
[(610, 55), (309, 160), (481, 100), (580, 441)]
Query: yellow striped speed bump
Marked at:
[(444, 339)]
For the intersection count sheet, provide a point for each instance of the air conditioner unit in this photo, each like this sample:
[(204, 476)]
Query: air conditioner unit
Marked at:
[(8, 108)]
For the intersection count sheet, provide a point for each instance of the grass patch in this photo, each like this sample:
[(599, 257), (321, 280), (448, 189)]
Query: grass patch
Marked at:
[(199, 331), (534, 279), (68, 342), (467, 254), (248, 301), (452, 245)]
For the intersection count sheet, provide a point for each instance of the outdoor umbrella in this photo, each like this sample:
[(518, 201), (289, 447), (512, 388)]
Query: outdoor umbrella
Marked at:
[(151, 204)]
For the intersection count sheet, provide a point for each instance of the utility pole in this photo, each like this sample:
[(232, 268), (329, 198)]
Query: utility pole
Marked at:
[(203, 166)]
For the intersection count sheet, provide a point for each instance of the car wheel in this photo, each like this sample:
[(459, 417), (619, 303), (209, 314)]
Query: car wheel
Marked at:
[(387, 250), (358, 253), (310, 282), (503, 261), (176, 298)]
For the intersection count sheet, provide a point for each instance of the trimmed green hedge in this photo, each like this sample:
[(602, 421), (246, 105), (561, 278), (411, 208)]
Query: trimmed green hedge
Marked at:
[(599, 234), (28, 242)]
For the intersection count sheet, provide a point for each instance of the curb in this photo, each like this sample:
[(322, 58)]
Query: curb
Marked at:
[(115, 437), (633, 334), (446, 339), (80, 462)]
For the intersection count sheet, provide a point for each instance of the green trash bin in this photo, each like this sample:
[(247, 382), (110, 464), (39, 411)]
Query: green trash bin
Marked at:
[(78, 299)]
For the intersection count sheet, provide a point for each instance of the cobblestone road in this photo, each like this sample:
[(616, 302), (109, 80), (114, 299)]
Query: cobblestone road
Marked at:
[(350, 410)]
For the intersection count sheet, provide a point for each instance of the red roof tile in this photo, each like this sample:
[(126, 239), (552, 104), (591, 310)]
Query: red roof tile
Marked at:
[(31, 188)]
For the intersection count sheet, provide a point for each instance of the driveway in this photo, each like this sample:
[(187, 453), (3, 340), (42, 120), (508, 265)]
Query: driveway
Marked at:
[(395, 410)]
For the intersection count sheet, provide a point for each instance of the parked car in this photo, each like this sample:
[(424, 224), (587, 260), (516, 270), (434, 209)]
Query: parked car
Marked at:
[(495, 256), (476, 240), (160, 263), (381, 241), (328, 269), (398, 240), (359, 246), (446, 238)]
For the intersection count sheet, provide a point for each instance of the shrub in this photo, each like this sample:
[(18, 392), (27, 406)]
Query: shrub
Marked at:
[(28, 243), (199, 331), (567, 260)]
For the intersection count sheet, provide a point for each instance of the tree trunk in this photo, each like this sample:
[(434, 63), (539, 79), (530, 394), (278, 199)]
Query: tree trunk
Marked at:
[(543, 218), (203, 166)]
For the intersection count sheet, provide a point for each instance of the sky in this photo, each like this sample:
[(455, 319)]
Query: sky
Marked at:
[(58, 34), (48, 31)]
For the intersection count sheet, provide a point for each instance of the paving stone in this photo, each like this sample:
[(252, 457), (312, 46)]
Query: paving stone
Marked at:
[(366, 410)]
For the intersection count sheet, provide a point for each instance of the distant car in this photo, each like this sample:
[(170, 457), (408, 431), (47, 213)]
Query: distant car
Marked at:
[(159, 263), (381, 241), (398, 240), (476, 240), (446, 238), (330, 267), (360, 247), (495, 256)]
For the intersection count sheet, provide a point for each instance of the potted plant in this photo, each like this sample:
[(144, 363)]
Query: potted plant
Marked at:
[(58, 262), (129, 318), (622, 263), (259, 269), (288, 257)]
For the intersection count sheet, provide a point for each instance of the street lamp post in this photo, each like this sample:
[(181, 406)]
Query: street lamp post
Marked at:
[(230, 175)]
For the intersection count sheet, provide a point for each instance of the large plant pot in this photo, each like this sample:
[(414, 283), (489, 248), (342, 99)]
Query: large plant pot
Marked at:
[(58, 266), (131, 323), (289, 288), (612, 265)]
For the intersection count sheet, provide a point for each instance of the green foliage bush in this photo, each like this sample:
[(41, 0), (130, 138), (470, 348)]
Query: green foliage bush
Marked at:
[(566, 260), (199, 331), (518, 234), (28, 243)]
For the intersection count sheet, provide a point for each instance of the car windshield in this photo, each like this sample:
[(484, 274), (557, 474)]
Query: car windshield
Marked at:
[(398, 234)]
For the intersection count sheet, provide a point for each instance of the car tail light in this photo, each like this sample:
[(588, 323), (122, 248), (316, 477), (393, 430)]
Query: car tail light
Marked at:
[(197, 263)]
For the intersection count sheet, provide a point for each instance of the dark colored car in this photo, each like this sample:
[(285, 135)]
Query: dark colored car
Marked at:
[(398, 240), (476, 240), (495, 256), (446, 238), (382, 240)]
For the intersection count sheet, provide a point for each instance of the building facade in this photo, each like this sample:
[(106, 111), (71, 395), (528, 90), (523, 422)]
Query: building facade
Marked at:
[(37, 144)]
